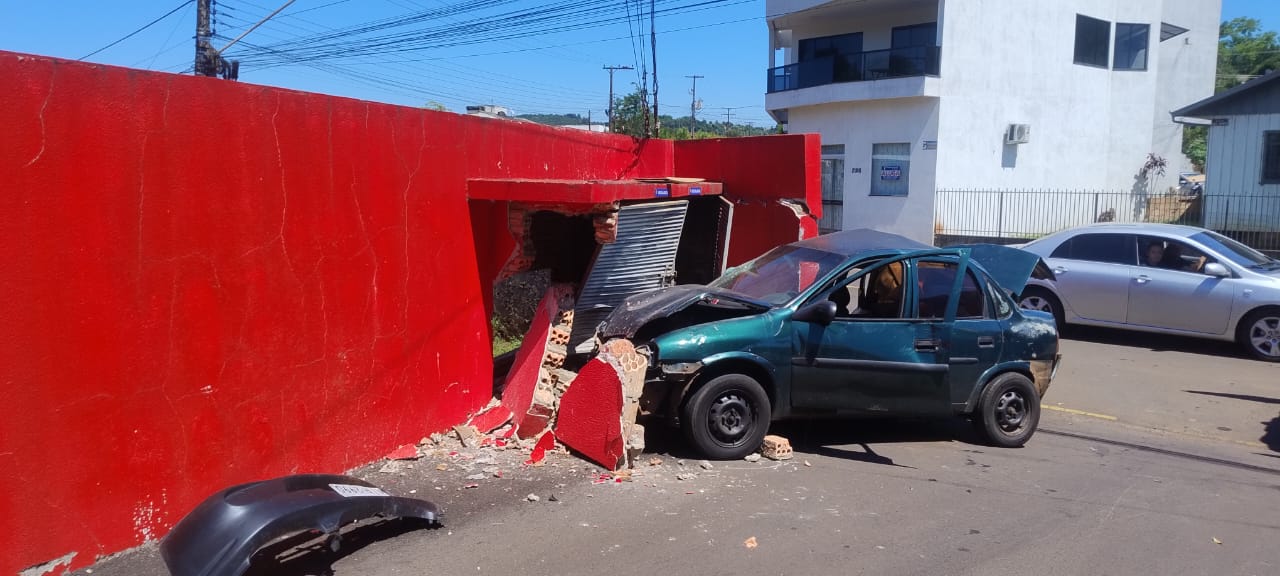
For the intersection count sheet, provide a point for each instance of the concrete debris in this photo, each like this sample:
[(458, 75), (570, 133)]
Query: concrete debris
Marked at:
[(753, 457), (686, 476), (468, 435), (705, 465), (655, 461), (438, 438), (442, 467), (553, 498), (776, 448), (391, 467), (751, 543), (477, 477), (532, 498)]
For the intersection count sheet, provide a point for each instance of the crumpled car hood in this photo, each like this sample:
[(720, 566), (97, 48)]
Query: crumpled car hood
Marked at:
[(641, 309)]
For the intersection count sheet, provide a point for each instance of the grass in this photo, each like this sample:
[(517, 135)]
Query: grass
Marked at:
[(502, 345)]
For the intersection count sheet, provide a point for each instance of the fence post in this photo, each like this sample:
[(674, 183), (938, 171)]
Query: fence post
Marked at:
[(1094, 216), (1000, 216)]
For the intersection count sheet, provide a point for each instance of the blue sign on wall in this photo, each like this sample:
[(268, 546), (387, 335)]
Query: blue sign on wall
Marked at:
[(890, 172), (662, 192)]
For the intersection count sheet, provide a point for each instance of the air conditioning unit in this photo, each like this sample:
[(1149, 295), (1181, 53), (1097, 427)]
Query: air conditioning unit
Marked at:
[(1017, 134)]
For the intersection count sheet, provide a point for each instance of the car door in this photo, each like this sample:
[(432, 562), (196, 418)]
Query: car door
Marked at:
[(977, 334), (877, 357), (1174, 294), (1092, 274)]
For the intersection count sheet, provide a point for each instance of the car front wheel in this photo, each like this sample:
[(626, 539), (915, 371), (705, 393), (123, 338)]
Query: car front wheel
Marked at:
[(1008, 411), (727, 418), (1259, 334)]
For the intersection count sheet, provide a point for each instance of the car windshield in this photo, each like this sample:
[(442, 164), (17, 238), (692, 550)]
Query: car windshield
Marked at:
[(780, 274), (1235, 251)]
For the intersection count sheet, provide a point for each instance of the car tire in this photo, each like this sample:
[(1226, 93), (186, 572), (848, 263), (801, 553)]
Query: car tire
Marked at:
[(727, 418), (1259, 334), (1037, 298), (1008, 411)]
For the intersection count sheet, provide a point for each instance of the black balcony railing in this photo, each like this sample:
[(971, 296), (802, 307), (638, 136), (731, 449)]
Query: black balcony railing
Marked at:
[(874, 65)]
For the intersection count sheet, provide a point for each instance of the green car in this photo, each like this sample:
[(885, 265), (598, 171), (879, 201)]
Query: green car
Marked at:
[(855, 323)]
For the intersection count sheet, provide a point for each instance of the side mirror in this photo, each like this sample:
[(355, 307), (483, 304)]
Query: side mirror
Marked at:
[(820, 312), (1217, 270)]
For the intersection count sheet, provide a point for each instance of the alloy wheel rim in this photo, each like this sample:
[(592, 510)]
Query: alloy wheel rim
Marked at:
[(729, 418), (1036, 303), (1264, 336), (1011, 411)]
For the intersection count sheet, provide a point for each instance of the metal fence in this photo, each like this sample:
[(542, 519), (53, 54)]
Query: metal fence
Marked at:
[(1015, 216)]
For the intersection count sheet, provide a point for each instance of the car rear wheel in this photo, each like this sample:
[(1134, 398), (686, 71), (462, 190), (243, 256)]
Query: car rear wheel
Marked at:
[(727, 418), (1036, 298), (1008, 411), (1259, 334)]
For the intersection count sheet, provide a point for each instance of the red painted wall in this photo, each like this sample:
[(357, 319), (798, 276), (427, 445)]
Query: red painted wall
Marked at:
[(757, 172), (208, 282)]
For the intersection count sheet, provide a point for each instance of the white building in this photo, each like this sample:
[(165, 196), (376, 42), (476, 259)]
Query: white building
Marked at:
[(916, 96)]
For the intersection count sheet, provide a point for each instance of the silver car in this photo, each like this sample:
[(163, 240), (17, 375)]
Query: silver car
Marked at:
[(1161, 278)]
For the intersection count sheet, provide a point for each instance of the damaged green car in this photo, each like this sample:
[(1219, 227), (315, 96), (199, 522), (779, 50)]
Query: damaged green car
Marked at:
[(855, 323)]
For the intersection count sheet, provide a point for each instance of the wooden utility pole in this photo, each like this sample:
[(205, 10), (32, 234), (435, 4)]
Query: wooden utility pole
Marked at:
[(608, 111), (693, 104), (204, 64), (653, 44)]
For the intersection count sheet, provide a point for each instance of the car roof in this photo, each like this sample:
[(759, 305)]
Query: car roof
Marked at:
[(1178, 230), (862, 242)]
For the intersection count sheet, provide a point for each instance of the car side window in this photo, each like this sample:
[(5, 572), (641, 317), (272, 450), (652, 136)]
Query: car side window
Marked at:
[(876, 295), (1001, 307), (1108, 248), (1157, 252), (935, 280)]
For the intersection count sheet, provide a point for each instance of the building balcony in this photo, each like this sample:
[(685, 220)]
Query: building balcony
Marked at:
[(860, 67)]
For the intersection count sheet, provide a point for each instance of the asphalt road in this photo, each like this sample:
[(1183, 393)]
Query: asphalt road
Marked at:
[(1162, 458)]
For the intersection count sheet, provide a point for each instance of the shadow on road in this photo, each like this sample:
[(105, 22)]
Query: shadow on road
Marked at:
[(307, 555), (1271, 429), (1251, 398), (1153, 342), (831, 437)]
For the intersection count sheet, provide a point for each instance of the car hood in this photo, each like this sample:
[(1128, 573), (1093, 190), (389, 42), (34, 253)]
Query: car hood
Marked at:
[(1010, 267), (641, 309)]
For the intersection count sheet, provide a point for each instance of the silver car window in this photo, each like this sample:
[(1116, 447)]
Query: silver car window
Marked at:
[(1104, 247)]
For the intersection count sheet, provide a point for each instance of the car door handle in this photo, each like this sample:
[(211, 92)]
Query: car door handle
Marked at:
[(927, 345), (1142, 279), (986, 342)]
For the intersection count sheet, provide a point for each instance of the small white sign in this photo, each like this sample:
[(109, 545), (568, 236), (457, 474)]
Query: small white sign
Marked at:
[(353, 491)]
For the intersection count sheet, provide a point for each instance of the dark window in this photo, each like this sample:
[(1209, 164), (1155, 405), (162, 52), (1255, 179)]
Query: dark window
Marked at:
[(890, 169), (814, 48), (1131, 46), (917, 35), (1168, 31), (935, 280), (1271, 157), (1107, 248), (1093, 39)]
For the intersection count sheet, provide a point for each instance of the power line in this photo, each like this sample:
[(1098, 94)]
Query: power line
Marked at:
[(144, 27)]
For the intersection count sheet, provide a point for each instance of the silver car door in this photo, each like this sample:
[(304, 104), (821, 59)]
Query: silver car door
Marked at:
[(1092, 275), (1175, 297)]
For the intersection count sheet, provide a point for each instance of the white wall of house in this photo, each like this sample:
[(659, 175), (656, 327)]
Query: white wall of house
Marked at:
[(860, 125), (1004, 62), (1236, 200)]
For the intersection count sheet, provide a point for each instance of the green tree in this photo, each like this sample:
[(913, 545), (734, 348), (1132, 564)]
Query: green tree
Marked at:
[(1245, 51), (433, 105)]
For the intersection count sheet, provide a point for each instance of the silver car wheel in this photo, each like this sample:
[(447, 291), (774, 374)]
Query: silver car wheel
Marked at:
[(1264, 335), (1036, 303)]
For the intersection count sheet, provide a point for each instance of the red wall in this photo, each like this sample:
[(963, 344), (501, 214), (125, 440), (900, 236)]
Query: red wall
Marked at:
[(757, 173), (208, 282)]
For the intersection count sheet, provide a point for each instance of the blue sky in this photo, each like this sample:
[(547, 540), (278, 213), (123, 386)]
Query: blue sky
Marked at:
[(550, 72)]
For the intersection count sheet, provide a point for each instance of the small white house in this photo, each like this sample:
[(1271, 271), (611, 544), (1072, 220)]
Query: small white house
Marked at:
[(1242, 168), (913, 97)]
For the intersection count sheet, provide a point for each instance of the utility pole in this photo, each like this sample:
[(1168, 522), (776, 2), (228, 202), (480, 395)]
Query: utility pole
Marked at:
[(727, 124), (693, 104), (608, 111), (653, 43), (204, 31)]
